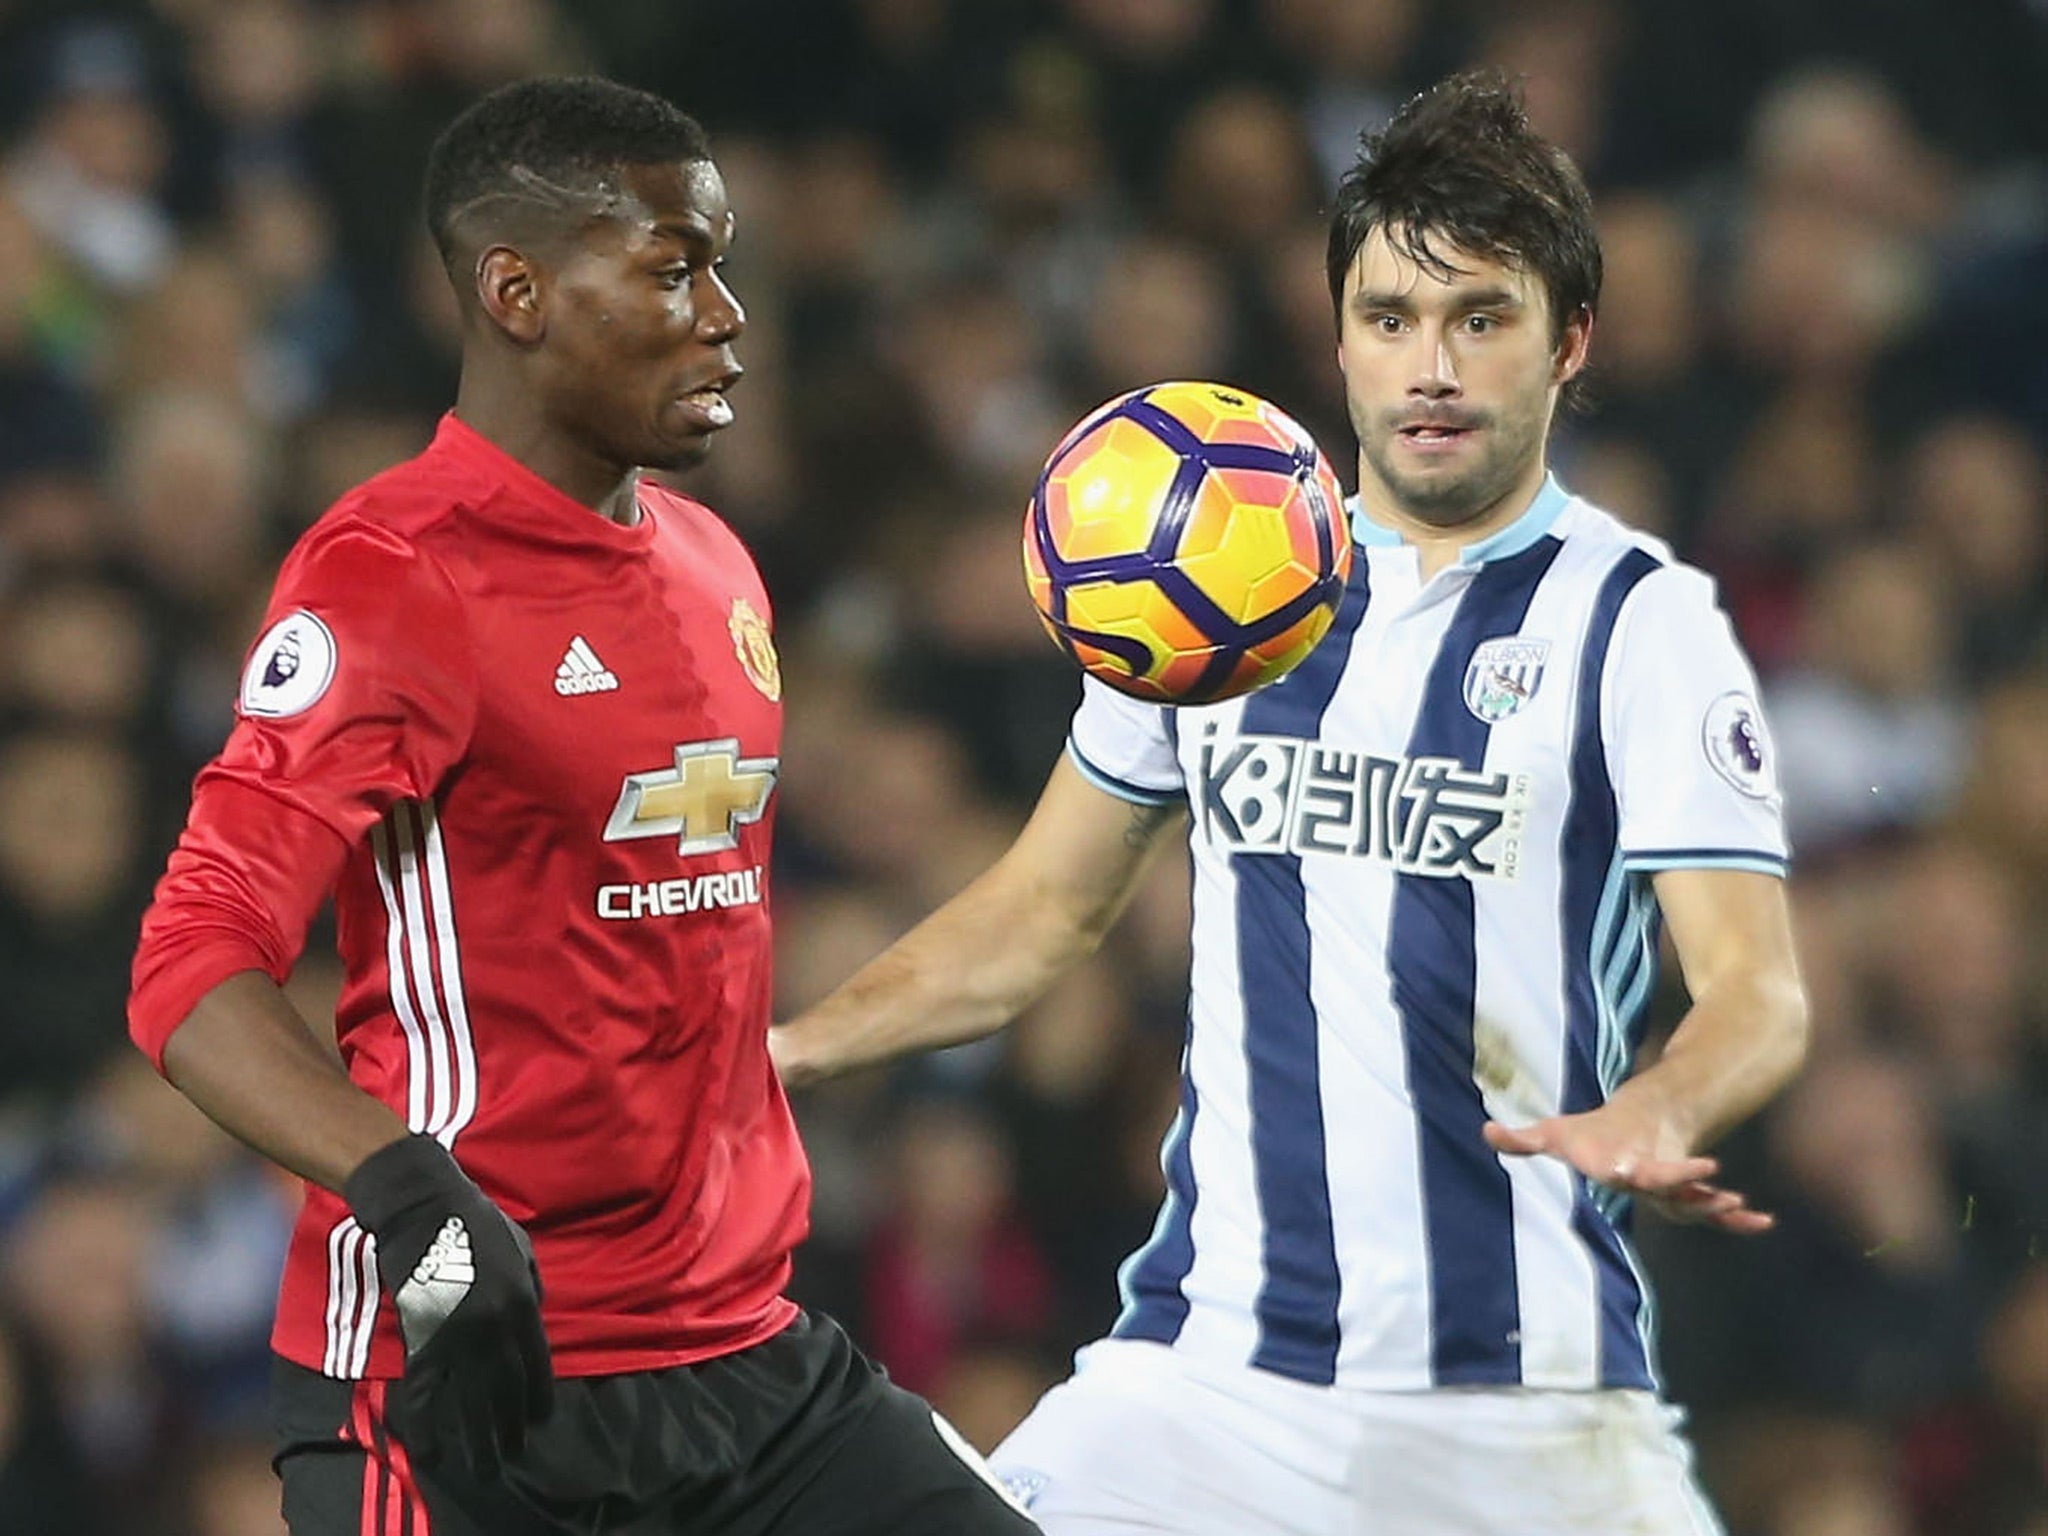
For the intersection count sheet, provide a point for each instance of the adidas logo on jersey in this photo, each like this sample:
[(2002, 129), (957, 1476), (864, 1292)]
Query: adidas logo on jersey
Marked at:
[(582, 672)]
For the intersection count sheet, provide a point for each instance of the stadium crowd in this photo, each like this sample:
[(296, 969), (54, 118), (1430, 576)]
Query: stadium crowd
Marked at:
[(1821, 370)]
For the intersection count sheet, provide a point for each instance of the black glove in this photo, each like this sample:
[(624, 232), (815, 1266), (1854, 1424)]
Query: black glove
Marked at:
[(468, 1295)]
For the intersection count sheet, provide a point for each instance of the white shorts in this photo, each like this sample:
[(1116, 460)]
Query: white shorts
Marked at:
[(1143, 1440)]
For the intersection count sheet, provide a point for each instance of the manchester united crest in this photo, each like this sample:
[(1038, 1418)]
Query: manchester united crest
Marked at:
[(755, 648)]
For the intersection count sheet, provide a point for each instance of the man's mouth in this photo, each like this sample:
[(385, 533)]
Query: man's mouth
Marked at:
[(1427, 435), (707, 403)]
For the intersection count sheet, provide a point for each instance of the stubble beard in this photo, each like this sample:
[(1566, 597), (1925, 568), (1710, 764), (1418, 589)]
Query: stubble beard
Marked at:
[(1511, 440)]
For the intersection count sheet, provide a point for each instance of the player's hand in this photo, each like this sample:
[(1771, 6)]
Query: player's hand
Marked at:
[(780, 1052), (462, 1276), (792, 1061), (1628, 1149)]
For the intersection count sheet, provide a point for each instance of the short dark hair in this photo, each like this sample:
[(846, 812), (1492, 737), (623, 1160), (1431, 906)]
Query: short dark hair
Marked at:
[(1460, 166), (549, 137)]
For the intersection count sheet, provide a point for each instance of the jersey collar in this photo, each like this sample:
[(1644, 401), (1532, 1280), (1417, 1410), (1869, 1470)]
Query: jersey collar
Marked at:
[(540, 510), (1550, 500)]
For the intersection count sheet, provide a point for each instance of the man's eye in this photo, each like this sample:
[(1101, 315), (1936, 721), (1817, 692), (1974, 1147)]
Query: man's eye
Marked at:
[(1479, 325), (1387, 325)]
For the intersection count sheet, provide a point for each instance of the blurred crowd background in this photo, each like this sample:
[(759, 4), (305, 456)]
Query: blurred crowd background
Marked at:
[(1821, 369)]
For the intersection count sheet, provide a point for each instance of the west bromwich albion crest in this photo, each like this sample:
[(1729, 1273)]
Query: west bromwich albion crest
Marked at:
[(1503, 676)]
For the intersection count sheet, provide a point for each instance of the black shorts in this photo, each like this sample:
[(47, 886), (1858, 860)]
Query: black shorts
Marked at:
[(798, 1436)]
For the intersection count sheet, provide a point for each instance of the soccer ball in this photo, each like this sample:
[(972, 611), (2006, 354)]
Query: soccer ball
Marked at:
[(1186, 543)]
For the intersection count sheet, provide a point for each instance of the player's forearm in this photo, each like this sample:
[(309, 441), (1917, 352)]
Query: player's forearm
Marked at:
[(961, 974), (1742, 1041), (246, 1058)]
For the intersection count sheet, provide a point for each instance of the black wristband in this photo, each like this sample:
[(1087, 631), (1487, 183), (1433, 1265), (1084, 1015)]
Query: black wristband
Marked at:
[(391, 1179)]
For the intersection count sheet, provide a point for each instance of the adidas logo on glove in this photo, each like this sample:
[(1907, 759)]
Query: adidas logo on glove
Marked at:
[(439, 1281)]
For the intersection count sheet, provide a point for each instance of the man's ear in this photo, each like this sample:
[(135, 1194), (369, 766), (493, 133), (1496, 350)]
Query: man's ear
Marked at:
[(509, 290), (1573, 346)]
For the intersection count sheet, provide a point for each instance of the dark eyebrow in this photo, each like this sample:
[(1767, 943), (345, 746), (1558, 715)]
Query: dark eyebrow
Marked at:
[(697, 235), (1489, 298), (684, 234), (1364, 302), (1402, 303)]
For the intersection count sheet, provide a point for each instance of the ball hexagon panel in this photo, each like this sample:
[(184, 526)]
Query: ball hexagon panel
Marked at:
[(1104, 497), (1285, 650), (1276, 589), (1107, 665), (1137, 609), (1223, 500), (1215, 414), (1239, 575), (1191, 677)]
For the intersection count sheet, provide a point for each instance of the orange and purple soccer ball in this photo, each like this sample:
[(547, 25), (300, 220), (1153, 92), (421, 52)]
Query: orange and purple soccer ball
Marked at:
[(1187, 543)]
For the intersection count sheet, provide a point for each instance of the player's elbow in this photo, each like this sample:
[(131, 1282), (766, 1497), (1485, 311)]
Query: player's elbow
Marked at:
[(174, 974), (1783, 1004), (1085, 917), (1082, 928), (203, 927), (1078, 912), (1054, 922)]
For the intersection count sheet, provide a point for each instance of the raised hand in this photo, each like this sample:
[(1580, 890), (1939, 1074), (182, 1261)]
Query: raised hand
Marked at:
[(1630, 1149)]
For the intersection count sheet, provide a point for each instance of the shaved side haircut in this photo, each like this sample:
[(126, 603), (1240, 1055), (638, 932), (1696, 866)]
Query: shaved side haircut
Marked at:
[(542, 154)]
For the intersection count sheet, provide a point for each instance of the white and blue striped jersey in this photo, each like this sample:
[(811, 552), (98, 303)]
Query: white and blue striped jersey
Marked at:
[(1422, 899)]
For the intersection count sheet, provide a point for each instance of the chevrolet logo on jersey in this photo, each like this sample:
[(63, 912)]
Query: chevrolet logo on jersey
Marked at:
[(703, 801), (1425, 816)]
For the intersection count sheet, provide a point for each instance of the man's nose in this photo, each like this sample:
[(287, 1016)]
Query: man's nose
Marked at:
[(723, 317), (1436, 371)]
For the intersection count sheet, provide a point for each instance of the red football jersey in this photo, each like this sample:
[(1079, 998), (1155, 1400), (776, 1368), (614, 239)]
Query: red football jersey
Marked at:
[(532, 754)]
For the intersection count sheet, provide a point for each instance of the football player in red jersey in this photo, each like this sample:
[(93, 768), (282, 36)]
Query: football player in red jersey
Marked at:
[(517, 711)]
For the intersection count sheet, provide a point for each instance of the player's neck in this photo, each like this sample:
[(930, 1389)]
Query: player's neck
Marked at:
[(1437, 547), (505, 414)]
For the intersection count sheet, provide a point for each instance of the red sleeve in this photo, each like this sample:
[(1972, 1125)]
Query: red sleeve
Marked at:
[(360, 692)]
